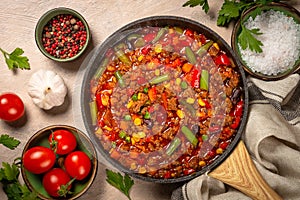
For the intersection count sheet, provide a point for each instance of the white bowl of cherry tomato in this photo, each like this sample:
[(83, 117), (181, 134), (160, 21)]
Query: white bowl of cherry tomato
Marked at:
[(59, 161)]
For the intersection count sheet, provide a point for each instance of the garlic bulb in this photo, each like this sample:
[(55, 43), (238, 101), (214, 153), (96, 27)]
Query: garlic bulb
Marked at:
[(47, 89)]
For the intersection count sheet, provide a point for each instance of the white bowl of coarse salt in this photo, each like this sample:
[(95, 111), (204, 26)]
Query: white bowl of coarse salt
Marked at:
[(280, 28)]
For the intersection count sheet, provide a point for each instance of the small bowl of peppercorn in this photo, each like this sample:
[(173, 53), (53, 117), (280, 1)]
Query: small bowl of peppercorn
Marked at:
[(62, 34)]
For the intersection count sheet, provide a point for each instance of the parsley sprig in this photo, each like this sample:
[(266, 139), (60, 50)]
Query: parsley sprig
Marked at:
[(232, 10), (15, 59), (122, 183), (9, 174), (8, 141)]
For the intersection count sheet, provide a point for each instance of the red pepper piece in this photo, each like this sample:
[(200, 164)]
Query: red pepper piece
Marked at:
[(152, 94), (189, 33), (222, 60), (188, 171), (193, 77), (177, 62), (145, 50), (167, 174), (99, 101), (149, 37), (236, 123), (239, 109), (224, 145), (164, 98)]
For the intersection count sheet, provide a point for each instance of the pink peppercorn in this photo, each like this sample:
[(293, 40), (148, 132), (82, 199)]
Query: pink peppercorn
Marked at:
[(64, 36)]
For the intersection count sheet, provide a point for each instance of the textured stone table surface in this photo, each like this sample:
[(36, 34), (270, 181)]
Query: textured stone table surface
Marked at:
[(17, 22)]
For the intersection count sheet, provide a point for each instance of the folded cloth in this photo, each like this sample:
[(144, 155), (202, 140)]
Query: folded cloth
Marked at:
[(272, 137)]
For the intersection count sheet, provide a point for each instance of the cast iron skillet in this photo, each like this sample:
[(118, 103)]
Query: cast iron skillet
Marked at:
[(162, 21)]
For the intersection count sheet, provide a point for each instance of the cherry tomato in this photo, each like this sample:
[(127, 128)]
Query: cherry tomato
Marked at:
[(11, 107), (78, 165), (38, 159), (54, 179), (62, 141)]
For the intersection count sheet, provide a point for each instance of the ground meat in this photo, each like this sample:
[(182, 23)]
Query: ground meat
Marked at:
[(172, 104)]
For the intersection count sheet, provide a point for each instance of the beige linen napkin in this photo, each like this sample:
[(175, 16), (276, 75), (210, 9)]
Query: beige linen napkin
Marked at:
[(272, 136)]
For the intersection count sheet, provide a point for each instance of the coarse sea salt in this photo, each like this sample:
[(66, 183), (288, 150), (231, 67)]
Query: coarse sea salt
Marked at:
[(281, 43)]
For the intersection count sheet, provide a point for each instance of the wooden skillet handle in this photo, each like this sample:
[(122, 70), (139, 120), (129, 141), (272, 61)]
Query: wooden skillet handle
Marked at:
[(239, 171)]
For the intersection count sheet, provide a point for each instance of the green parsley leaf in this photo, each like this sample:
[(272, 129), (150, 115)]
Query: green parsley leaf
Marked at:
[(11, 186), (15, 59), (11, 172), (193, 3), (230, 10), (122, 183), (9, 142), (247, 40)]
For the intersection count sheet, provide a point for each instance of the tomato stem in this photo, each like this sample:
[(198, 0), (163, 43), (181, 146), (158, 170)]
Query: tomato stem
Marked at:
[(65, 189)]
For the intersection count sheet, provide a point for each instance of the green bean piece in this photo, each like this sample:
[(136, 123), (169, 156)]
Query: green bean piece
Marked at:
[(94, 111), (204, 79), (159, 79), (120, 46), (140, 42), (133, 36), (173, 146), (146, 90), (101, 69), (122, 134), (134, 97), (190, 55), (159, 34), (204, 137), (183, 85), (189, 135), (178, 30), (203, 49), (120, 80), (147, 115), (189, 107), (121, 55), (127, 117)]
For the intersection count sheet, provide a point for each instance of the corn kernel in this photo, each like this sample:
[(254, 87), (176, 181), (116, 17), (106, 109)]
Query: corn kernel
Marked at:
[(141, 134), (216, 46), (142, 170), (104, 100), (137, 121), (168, 85), (132, 141), (136, 137), (201, 102), (178, 81), (157, 72), (133, 166), (139, 96), (219, 151), (129, 104), (99, 131), (158, 48), (140, 58), (190, 100), (151, 65), (107, 128), (202, 163), (180, 114)]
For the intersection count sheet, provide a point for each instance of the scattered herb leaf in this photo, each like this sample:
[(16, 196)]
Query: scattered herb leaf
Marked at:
[(230, 10), (122, 183), (15, 59), (9, 142), (193, 3)]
